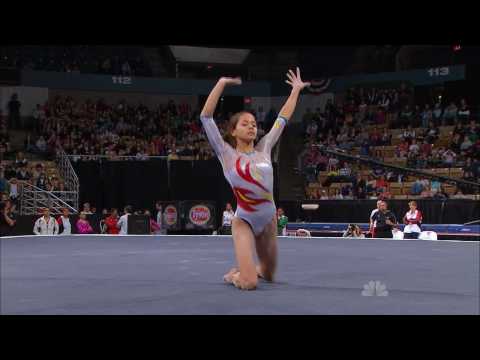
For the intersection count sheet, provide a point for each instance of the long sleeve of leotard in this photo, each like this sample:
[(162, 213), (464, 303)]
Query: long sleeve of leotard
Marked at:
[(267, 143), (215, 138)]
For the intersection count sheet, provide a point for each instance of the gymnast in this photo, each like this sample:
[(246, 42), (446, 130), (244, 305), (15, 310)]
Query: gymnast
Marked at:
[(248, 169)]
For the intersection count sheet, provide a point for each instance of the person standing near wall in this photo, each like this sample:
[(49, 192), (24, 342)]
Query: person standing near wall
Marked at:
[(413, 221), (282, 222), (7, 219), (385, 221), (14, 112), (64, 225), (122, 223), (45, 225), (372, 222), (228, 215)]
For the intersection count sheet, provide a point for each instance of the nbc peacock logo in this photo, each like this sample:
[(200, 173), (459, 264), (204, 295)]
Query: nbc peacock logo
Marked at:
[(374, 288)]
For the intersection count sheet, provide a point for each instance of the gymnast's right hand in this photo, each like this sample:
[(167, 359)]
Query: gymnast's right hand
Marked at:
[(231, 81)]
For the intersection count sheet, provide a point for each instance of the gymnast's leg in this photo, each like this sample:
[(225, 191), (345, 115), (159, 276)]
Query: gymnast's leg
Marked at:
[(267, 251), (246, 276)]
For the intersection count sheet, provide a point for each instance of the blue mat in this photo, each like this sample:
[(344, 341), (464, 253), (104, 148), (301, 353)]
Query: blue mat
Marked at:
[(183, 275)]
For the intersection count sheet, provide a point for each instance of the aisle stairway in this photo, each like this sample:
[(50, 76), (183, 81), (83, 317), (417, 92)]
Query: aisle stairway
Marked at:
[(291, 184)]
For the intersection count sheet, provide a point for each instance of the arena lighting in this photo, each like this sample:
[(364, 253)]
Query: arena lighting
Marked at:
[(310, 206), (457, 47), (197, 54)]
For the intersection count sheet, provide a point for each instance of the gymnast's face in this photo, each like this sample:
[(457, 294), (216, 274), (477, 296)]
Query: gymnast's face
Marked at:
[(246, 129)]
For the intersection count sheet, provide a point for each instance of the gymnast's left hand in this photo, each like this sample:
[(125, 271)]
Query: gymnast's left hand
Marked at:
[(295, 80)]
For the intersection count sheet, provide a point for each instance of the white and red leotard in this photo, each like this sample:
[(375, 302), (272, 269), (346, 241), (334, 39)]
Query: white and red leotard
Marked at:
[(249, 174), (413, 220)]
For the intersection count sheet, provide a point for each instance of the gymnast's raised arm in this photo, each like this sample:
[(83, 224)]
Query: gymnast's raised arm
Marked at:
[(212, 100), (214, 137), (269, 140), (297, 86)]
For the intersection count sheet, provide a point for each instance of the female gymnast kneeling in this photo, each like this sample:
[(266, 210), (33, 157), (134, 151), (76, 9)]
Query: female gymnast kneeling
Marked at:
[(249, 171)]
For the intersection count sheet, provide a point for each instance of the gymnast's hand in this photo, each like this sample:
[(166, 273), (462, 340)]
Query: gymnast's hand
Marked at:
[(295, 81), (231, 81)]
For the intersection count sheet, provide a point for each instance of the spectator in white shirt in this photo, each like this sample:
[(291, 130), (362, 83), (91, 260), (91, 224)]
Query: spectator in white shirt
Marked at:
[(122, 223), (13, 189), (414, 148), (324, 195), (158, 207), (45, 225), (228, 215)]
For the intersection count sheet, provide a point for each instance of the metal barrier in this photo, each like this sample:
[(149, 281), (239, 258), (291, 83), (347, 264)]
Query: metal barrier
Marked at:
[(72, 183), (33, 198)]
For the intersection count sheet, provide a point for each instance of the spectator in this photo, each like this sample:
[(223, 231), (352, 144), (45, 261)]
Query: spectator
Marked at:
[(385, 221), (20, 160), (437, 113), (282, 222), (413, 221), (158, 207), (409, 134), (459, 194), (45, 225), (14, 112), (373, 223), (14, 191), (86, 209), (405, 116), (414, 147), (382, 185), (63, 221), (122, 223), (7, 219), (83, 226), (228, 215), (435, 186), (417, 187), (324, 195), (42, 182), (427, 116), (111, 223), (38, 117), (450, 113), (353, 231), (4, 184), (449, 158), (426, 193), (463, 113), (154, 227), (338, 195)]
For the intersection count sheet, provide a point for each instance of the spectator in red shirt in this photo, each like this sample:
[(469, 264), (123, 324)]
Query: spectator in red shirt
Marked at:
[(382, 184), (426, 148), (111, 223)]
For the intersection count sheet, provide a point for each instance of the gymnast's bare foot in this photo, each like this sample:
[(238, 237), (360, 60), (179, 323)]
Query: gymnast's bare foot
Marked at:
[(243, 284), (228, 277)]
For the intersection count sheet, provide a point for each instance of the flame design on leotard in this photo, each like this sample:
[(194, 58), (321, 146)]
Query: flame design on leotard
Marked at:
[(247, 176), (245, 201)]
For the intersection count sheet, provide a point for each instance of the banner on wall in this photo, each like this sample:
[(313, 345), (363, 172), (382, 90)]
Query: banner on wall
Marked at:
[(198, 215), (170, 215)]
